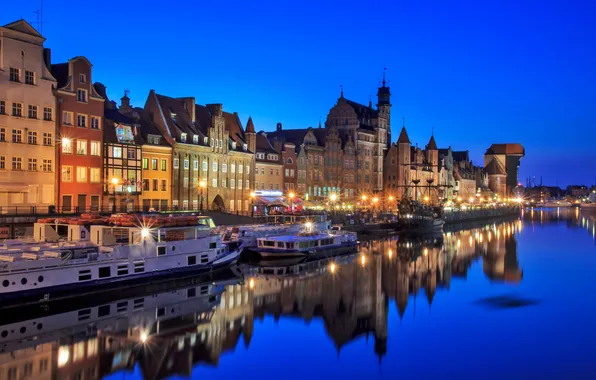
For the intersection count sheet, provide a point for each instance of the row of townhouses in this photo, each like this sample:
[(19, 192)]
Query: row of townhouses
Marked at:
[(65, 144)]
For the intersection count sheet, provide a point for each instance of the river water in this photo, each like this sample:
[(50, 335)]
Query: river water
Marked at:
[(507, 299)]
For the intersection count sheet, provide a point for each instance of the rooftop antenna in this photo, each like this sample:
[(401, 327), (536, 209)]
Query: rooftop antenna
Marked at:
[(39, 14)]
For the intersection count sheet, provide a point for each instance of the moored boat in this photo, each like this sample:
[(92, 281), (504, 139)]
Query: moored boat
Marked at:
[(68, 254), (307, 243)]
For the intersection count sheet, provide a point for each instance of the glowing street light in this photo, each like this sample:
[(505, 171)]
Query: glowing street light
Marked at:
[(252, 203), (202, 185), (115, 181), (332, 267), (145, 232), (426, 198), (251, 283)]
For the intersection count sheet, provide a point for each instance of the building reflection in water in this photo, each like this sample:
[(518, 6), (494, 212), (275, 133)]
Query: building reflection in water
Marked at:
[(171, 332), (574, 217)]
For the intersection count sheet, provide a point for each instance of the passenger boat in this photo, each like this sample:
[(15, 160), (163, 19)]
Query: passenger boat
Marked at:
[(248, 234), (557, 203), (70, 253), (307, 243), (420, 224)]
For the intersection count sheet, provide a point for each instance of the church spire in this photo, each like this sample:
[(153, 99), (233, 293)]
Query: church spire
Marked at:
[(341, 87), (384, 71)]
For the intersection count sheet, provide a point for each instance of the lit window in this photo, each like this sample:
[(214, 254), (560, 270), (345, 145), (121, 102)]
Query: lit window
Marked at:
[(195, 139), (214, 182), (95, 148), (94, 122), (94, 175), (205, 166), (66, 173), (215, 166), (32, 137), (240, 169), (81, 174), (154, 164), (240, 184), (47, 165), (32, 164), (232, 184), (82, 147), (67, 146), (183, 137), (47, 113), (164, 165), (186, 164), (67, 118), (224, 168), (117, 152), (176, 163)]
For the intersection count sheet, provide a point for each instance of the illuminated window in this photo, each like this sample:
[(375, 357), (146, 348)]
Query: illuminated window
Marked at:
[(67, 118), (95, 175), (82, 147), (66, 173), (81, 174), (95, 148), (78, 351), (117, 152)]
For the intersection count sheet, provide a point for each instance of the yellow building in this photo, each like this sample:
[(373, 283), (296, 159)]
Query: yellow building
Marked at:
[(156, 169), (268, 166)]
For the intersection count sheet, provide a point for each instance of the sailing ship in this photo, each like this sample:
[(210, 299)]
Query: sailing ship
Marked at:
[(67, 254)]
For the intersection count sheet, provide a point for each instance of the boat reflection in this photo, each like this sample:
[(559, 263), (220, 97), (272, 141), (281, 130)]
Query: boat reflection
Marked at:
[(171, 332)]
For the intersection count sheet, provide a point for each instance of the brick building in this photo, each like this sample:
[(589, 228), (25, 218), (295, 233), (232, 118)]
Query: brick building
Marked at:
[(80, 111)]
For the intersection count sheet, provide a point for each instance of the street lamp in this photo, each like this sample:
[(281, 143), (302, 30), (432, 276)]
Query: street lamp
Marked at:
[(333, 198), (202, 185), (114, 181), (390, 202), (252, 204), (375, 200), (291, 196)]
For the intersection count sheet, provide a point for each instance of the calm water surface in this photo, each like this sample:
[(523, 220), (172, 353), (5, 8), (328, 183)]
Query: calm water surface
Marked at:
[(508, 300)]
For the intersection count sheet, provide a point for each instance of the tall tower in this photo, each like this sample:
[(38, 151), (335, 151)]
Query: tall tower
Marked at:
[(403, 161), (384, 108), (251, 136)]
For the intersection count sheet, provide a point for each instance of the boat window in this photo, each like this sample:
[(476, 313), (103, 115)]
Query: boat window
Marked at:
[(103, 311), (85, 275), (289, 245), (161, 250), (122, 269), (280, 244), (104, 272), (192, 260), (268, 243), (212, 245), (139, 267), (204, 259), (191, 292)]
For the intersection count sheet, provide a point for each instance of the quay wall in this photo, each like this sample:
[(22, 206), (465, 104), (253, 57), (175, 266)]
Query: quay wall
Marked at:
[(456, 217)]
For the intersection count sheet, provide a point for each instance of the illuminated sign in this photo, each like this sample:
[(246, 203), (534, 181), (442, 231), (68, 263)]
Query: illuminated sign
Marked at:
[(124, 133), (269, 193)]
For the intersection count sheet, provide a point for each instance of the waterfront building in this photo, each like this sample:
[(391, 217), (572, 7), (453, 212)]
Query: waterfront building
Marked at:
[(446, 179), (80, 112), (212, 157), (122, 176), (27, 119), (268, 166), (506, 158), (289, 159)]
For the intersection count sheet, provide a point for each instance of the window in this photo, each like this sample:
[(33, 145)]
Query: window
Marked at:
[(240, 169), (186, 164), (232, 184), (32, 111), (287, 172), (17, 109), (270, 171), (164, 185), (95, 148), (67, 118), (195, 139), (185, 182), (290, 161), (47, 113), (29, 77), (164, 165), (233, 168), (32, 164), (82, 78), (155, 182), (215, 166), (95, 175), (94, 122), (145, 163), (82, 95), (224, 168), (2, 107), (81, 121), (239, 184), (154, 164), (32, 138), (223, 183), (17, 136), (47, 165), (247, 183), (12, 373), (183, 137), (17, 163), (247, 169), (117, 152), (292, 173), (15, 75), (145, 185), (195, 164), (67, 146), (81, 174), (82, 147), (176, 163), (2, 162), (214, 182), (205, 166)]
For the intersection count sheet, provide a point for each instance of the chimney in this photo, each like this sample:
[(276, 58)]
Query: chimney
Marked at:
[(215, 109), (189, 106), (47, 57), (279, 127)]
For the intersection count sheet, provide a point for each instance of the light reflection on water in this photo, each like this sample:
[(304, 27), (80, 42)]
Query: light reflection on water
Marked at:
[(507, 299)]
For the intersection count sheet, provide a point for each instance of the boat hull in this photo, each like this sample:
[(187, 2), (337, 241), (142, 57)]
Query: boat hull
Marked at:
[(314, 251), (72, 290)]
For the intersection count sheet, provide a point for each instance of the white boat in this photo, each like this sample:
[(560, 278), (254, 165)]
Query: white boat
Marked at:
[(248, 234), (66, 254), (307, 243), (553, 203)]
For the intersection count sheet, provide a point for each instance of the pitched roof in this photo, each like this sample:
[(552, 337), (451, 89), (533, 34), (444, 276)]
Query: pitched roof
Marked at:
[(403, 136), (263, 144), (234, 127), (295, 136), (509, 149), (115, 116), (23, 27), (363, 111), (495, 168), (432, 145), (443, 151), (462, 155)]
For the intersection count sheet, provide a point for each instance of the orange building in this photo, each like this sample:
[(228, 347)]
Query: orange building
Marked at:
[(79, 156)]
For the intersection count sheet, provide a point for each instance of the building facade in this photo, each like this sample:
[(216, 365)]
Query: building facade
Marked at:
[(269, 173), (80, 120), (210, 148), (27, 119), (506, 167), (156, 169)]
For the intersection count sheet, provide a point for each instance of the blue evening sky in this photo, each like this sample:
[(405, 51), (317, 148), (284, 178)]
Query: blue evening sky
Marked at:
[(480, 72)]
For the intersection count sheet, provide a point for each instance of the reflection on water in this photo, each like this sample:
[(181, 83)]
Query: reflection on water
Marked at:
[(172, 332)]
